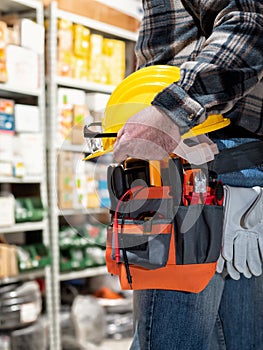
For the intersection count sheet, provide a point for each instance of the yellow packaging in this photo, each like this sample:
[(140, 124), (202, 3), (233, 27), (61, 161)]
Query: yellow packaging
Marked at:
[(3, 39), (114, 51), (65, 63), (80, 68), (81, 40), (65, 35), (3, 43), (93, 200), (97, 72)]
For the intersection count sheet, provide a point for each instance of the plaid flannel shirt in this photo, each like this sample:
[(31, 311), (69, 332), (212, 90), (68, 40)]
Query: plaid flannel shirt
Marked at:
[(218, 45)]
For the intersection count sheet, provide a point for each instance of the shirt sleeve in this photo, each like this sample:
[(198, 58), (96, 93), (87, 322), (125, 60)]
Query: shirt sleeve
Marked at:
[(229, 65)]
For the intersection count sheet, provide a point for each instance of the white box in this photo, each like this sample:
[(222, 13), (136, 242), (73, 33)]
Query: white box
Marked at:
[(7, 205), (6, 147), (29, 147), (97, 101), (22, 67), (32, 35), (6, 169), (73, 96), (27, 118)]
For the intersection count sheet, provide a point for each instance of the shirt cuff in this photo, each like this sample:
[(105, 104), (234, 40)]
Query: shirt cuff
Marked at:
[(180, 107)]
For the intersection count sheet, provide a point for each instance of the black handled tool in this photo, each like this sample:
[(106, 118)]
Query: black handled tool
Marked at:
[(176, 175)]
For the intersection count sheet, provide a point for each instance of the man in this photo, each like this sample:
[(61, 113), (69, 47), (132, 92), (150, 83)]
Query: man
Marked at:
[(218, 46)]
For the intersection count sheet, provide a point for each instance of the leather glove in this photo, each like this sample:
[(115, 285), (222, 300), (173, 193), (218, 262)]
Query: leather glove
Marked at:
[(222, 264), (239, 249), (253, 222), (149, 134)]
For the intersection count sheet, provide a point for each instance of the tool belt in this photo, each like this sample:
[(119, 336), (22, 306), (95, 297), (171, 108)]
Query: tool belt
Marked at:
[(167, 236), (154, 243)]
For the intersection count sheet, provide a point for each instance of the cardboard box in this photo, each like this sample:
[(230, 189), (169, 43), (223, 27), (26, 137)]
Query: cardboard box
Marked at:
[(65, 182), (27, 118), (98, 11), (30, 149), (7, 205), (8, 261), (6, 169), (31, 35), (6, 146), (65, 162), (65, 199), (77, 137), (97, 101), (22, 67)]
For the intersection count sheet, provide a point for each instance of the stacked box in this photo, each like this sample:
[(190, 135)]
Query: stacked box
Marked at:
[(8, 261), (3, 42)]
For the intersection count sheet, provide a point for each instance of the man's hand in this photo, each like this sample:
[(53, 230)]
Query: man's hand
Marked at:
[(150, 134)]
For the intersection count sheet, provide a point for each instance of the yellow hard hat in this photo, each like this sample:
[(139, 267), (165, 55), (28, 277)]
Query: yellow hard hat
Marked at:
[(135, 93)]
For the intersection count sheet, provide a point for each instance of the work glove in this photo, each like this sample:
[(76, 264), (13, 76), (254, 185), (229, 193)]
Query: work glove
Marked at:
[(149, 134), (242, 232)]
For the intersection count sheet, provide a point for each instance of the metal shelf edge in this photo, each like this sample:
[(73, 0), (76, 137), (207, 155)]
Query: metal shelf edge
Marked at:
[(88, 272), (100, 26), (19, 90), (27, 226), (84, 85), (30, 275)]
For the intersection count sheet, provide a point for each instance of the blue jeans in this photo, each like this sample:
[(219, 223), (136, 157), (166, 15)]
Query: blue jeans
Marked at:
[(226, 315)]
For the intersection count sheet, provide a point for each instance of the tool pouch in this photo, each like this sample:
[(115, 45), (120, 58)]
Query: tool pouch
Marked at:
[(145, 243), (176, 249), (198, 233)]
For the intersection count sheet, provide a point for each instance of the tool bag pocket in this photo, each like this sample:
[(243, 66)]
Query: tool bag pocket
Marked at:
[(143, 243), (198, 233)]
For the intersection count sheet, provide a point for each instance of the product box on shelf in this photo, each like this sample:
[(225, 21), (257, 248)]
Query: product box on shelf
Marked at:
[(22, 67), (32, 35), (29, 148), (97, 101), (7, 205), (65, 190), (8, 261), (7, 124), (6, 168), (81, 41), (65, 162), (27, 118), (25, 32), (6, 146), (114, 50), (80, 114), (3, 42), (68, 112)]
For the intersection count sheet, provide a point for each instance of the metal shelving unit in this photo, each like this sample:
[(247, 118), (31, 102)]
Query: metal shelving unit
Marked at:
[(32, 9), (53, 83), (89, 272), (25, 227)]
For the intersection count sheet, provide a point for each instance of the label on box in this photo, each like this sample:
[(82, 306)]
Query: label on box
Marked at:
[(7, 123)]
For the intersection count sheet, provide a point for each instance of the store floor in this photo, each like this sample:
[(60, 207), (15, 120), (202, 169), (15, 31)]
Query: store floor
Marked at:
[(111, 344)]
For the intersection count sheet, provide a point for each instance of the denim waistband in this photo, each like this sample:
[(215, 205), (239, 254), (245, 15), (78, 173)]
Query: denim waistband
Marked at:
[(243, 178)]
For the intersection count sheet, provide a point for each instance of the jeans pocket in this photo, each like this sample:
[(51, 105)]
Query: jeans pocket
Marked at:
[(198, 234), (143, 243)]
